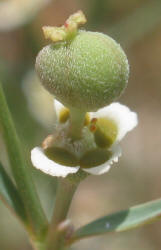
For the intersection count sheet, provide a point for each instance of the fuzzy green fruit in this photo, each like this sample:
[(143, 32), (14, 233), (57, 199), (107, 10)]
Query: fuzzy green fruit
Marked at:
[(87, 72)]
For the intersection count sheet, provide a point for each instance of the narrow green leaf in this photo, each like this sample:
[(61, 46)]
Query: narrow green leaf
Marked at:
[(121, 221), (10, 196), (20, 170)]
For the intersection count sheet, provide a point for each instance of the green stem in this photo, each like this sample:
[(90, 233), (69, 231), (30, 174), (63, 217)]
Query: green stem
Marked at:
[(38, 245), (21, 171), (65, 192), (77, 118)]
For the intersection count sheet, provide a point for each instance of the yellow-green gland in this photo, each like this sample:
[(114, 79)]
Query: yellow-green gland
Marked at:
[(87, 72)]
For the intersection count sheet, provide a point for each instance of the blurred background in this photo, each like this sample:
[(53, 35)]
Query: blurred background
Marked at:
[(136, 25)]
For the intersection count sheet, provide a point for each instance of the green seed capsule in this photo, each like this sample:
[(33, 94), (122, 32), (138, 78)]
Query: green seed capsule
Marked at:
[(88, 71)]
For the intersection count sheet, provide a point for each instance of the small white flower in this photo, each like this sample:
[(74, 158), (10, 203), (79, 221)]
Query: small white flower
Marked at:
[(124, 119)]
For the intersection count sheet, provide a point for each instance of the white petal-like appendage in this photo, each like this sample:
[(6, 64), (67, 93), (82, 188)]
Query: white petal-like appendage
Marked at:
[(35, 95), (43, 163), (116, 153), (58, 106), (123, 117)]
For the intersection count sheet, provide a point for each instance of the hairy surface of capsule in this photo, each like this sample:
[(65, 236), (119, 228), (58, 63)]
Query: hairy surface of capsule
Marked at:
[(88, 72)]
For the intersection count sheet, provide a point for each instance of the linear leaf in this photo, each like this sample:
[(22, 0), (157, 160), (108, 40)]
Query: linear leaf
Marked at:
[(10, 196), (121, 221), (20, 170)]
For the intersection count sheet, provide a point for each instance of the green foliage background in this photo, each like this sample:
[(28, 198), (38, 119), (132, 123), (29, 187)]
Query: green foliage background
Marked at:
[(136, 178)]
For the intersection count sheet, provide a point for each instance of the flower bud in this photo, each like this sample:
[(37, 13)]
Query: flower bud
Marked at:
[(88, 71)]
